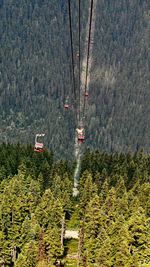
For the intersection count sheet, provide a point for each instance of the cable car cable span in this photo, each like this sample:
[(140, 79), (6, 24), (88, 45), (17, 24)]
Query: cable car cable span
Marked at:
[(79, 70), (88, 54), (72, 56)]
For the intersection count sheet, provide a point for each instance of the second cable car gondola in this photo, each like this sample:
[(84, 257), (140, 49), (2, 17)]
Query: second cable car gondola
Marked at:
[(39, 146), (80, 135), (66, 105)]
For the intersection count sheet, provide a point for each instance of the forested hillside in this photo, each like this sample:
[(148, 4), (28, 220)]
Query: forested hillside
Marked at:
[(111, 212), (35, 74)]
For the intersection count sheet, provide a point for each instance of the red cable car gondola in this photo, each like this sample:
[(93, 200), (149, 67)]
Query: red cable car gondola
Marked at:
[(39, 146), (66, 105), (80, 135)]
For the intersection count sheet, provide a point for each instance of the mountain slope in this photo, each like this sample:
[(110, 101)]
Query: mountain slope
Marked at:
[(120, 88), (35, 74)]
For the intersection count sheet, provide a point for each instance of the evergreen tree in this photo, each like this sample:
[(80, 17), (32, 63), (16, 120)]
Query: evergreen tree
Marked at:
[(29, 255), (138, 226), (53, 247), (121, 244), (92, 228), (87, 190), (103, 255)]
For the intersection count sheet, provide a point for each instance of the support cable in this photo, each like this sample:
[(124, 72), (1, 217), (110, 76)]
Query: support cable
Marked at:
[(88, 54), (72, 57), (79, 70)]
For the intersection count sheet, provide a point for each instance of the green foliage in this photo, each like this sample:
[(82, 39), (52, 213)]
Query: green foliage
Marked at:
[(29, 255), (53, 244), (71, 246), (73, 222), (35, 74), (114, 226), (103, 254), (111, 212)]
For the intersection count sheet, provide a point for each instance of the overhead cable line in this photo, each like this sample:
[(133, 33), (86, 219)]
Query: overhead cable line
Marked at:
[(72, 56), (88, 54), (79, 70)]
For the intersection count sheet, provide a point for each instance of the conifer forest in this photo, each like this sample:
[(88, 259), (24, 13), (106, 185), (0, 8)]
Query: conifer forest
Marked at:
[(111, 211), (74, 133), (35, 74)]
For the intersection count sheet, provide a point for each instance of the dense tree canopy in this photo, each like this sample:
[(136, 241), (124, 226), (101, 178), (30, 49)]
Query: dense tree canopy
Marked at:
[(111, 211), (35, 74)]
